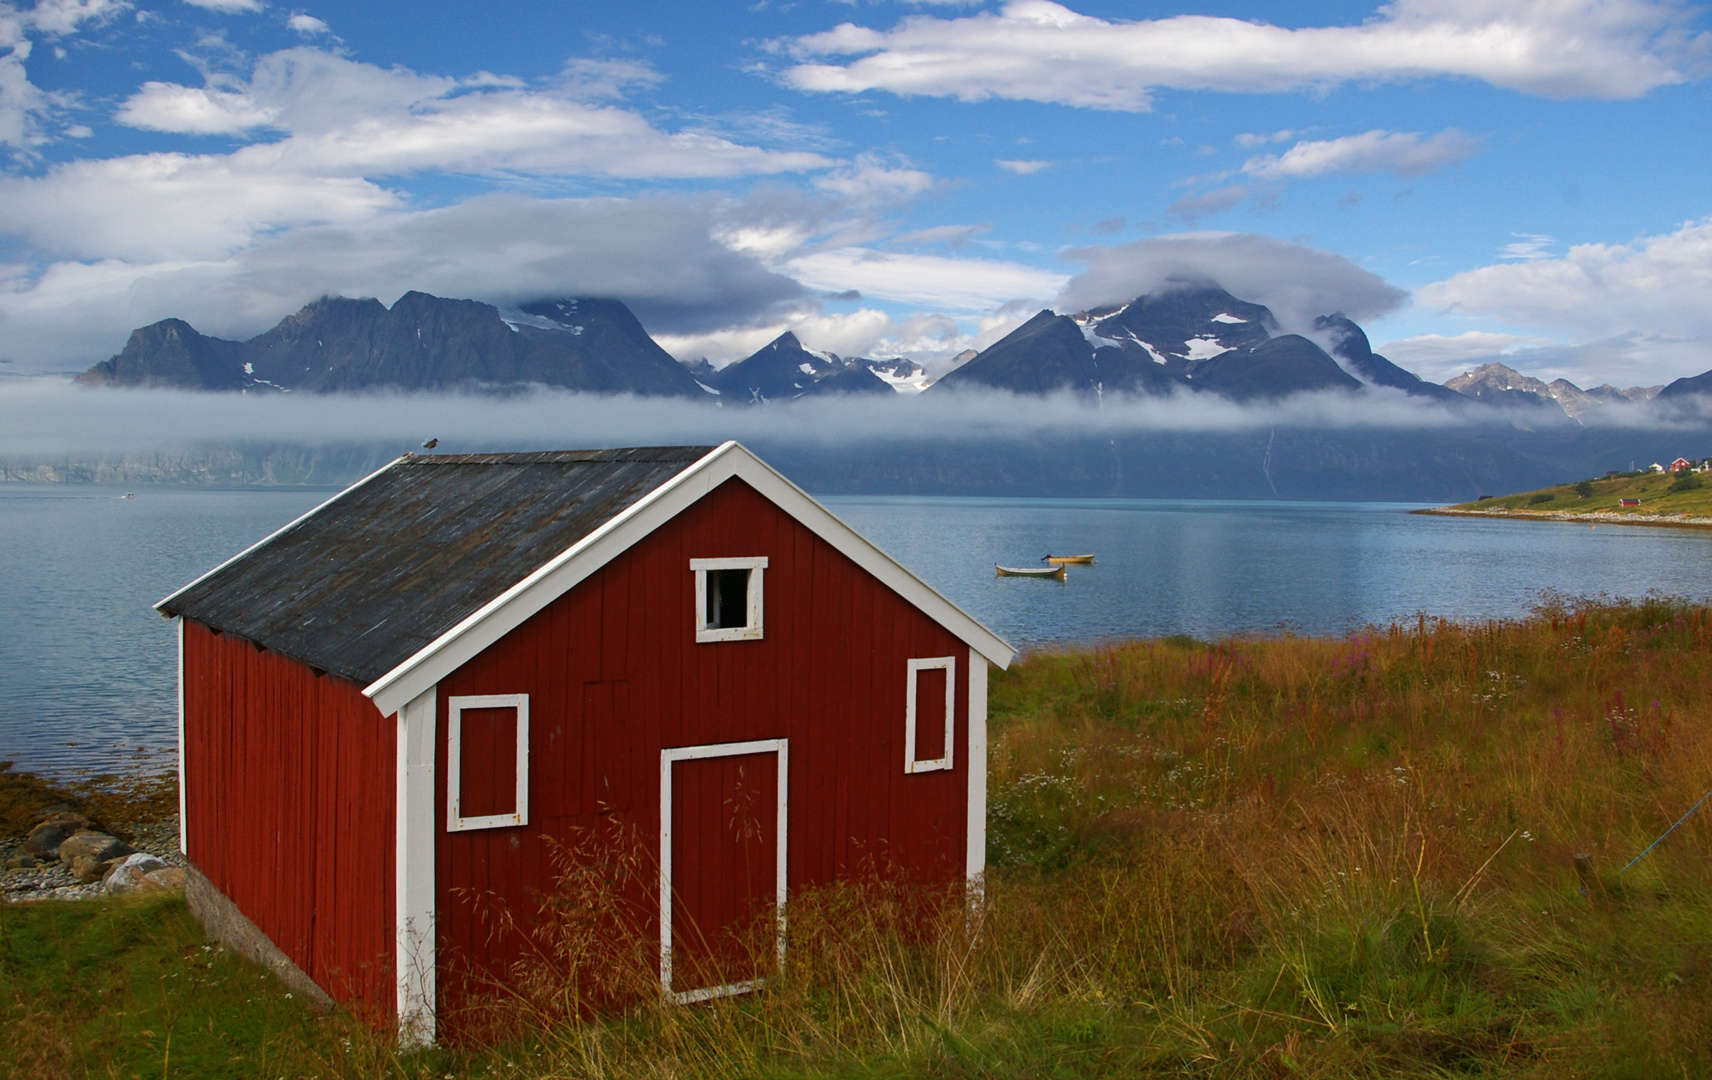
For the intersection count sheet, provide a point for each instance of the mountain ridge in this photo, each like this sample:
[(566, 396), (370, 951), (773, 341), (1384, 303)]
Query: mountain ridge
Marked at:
[(422, 342), (1186, 338)]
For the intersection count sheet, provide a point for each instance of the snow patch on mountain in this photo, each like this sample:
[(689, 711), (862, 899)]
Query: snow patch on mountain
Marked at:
[(1205, 348)]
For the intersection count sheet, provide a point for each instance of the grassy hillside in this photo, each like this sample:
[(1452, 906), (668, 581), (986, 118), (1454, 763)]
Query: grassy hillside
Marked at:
[(1659, 495), (1280, 857)]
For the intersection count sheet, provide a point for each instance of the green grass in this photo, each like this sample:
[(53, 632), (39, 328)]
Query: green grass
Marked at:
[(1278, 857), (128, 988), (1659, 494)]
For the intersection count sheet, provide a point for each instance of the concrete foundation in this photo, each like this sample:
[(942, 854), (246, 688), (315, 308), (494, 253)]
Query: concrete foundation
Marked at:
[(224, 923)]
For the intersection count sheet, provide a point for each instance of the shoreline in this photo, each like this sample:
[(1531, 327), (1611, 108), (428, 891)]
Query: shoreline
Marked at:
[(1594, 517)]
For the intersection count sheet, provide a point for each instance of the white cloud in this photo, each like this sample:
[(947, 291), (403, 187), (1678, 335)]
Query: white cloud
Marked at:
[(930, 281), (228, 7), (1528, 247), (190, 110), (588, 79), (354, 119), (60, 17), (931, 339), (871, 178), (1653, 297), (1298, 283), (349, 126), (307, 25), (152, 208), (21, 101), (25, 108), (658, 255), (1036, 50), (1406, 153), (1022, 168), (1441, 356), (38, 417)]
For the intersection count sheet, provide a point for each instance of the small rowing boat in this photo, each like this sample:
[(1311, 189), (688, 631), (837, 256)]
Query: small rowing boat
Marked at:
[(1031, 571), (1069, 560)]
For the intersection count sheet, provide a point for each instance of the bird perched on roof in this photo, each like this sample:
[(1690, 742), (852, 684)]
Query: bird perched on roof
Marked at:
[(430, 445)]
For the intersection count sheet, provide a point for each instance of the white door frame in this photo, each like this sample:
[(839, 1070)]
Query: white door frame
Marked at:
[(669, 757)]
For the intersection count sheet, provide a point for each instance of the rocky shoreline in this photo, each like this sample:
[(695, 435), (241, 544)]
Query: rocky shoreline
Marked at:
[(1594, 517), (68, 857)]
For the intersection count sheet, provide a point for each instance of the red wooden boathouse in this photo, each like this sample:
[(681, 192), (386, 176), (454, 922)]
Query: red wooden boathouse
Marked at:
[(409, 697)]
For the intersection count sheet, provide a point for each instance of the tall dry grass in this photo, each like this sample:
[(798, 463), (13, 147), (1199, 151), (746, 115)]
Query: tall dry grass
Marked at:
[(1277, 856), (1273, 857)]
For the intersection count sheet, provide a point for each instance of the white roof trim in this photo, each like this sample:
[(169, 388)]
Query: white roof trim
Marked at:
[(269, 538), (508, 610)]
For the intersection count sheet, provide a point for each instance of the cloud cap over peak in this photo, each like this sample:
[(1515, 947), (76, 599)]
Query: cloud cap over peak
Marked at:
[(1298, 283)]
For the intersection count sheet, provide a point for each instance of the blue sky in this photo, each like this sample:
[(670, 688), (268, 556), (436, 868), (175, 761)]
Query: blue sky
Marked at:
[(1470, 179)]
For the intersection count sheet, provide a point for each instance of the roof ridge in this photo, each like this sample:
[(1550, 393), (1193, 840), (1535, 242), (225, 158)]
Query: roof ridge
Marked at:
[(533, 457)]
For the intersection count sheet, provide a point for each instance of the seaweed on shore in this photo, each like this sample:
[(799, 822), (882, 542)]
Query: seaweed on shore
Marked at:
[(118, 801)]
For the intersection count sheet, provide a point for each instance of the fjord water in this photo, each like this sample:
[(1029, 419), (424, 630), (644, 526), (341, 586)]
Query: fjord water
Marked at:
[(87, 669)]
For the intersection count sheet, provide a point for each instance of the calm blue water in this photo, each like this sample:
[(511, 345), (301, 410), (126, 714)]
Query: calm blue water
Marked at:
[(87, 669)]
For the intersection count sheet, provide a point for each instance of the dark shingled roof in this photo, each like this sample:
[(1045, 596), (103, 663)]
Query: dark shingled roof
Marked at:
[(383, 569)]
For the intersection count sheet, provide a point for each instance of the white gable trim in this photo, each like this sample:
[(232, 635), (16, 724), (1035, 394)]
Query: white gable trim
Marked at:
[(511, 608)]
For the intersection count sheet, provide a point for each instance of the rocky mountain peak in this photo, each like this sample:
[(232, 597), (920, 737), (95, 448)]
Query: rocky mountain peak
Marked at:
[(1494, 380), (422, 342), (1181, 338), (783, 369), (1180, 327)]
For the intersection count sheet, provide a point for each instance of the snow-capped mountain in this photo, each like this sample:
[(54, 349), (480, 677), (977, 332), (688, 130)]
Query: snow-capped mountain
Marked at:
[(783, 369), (1195, 338)]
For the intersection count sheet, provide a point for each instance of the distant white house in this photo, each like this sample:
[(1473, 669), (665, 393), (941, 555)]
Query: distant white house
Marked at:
[(1655, 467)]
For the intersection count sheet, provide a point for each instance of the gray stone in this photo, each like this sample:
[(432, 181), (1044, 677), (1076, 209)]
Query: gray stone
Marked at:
[(168, 877), (89, 855), (129, 873), (45, 839)]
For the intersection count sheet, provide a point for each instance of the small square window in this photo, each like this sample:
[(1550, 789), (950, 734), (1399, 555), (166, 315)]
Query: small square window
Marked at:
[(728, 598)]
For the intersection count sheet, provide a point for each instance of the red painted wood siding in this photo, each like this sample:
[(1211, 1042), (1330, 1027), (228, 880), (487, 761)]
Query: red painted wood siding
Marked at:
[(488, 762), (614, 674), (725, 830), (289, 781), (930, 715)]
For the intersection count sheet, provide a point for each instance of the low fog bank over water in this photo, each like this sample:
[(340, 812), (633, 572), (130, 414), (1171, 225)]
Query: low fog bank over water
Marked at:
[(1376, 445)]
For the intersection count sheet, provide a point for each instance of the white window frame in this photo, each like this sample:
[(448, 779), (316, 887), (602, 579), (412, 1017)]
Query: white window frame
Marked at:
[(455, 820), (751, 630), (669, 757), (948, 664)]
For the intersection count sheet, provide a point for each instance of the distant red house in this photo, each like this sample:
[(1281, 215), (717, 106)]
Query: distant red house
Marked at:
[(404, 700), (1681, 464), (1628, 502)]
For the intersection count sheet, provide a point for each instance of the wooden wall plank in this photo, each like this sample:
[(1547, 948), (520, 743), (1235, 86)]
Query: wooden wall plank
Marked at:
[(289, 781)]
